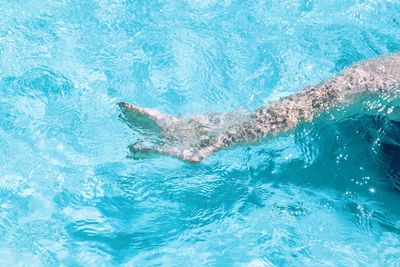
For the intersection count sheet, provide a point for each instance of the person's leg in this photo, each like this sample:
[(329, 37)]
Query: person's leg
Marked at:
[(189, 138), (195, 138)]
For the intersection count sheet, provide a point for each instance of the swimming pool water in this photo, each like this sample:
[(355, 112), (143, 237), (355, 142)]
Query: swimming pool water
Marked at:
[(326, 193)]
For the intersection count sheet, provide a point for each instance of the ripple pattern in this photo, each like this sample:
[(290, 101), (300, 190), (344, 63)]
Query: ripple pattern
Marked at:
[(326, 193)]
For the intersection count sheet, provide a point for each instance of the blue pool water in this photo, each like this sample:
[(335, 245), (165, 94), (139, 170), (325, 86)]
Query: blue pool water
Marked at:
[(326, 193)]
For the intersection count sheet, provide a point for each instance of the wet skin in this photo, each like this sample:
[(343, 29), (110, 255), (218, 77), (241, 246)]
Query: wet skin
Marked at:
[(194, 138)]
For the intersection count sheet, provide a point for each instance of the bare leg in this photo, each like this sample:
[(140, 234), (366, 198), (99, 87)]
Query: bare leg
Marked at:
[(376, 75), (182, 137)]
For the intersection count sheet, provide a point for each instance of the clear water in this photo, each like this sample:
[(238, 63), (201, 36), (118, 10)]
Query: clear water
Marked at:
[(323, 194)]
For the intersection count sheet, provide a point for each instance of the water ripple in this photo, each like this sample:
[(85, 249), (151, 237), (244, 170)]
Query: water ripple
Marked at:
[(326, 193)]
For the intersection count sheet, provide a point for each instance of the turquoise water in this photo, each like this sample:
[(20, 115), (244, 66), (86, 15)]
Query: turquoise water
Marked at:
[(326, 193)]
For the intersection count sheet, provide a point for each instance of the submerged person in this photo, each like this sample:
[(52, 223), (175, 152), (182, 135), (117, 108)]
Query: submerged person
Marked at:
[(194, 138)]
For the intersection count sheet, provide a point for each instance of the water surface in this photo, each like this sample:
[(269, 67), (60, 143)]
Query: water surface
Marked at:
[(326, 193)]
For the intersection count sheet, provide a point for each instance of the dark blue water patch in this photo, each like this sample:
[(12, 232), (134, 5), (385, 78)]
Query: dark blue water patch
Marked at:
[(379, 138), (390, 149), (340, 155), (391, 153)]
